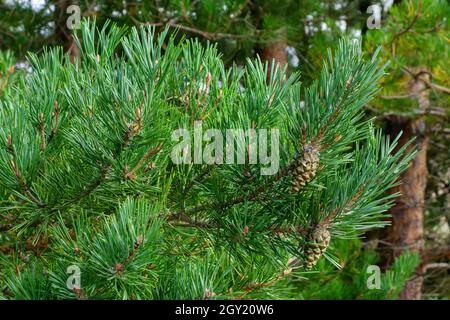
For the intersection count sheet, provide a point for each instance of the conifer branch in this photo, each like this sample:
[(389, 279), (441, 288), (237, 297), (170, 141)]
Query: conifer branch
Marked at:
[(26, 189), (150, 153), (197, 179), (253, 196), (347, 207), (259, 285), (252, 220)]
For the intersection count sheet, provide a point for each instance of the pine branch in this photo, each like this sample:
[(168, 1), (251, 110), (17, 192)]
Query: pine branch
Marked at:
[(136, 240), (20, 179), (132, 130), (253, 196), (253, 286), (150, 153)]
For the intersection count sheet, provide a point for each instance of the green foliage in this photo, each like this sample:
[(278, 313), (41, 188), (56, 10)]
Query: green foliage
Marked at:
[(86, 173), (7, 74), (415, 38), (240, 28), (395, 278), (351, 282), (24, 29)]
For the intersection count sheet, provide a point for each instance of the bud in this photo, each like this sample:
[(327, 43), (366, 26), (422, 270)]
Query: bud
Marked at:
[(349, 81), (11, 70), (139, 241), (138, 113), (208, 79), (245, 231), (118, 267)]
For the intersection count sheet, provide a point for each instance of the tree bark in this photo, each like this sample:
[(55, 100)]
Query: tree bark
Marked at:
[(406, 232), (275, 52)]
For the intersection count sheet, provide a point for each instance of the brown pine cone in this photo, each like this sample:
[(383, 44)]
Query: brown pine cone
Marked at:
[(305, 167), (318, 242)]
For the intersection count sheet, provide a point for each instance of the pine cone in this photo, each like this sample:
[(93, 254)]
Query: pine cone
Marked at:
[(305, 167), (318, 242)]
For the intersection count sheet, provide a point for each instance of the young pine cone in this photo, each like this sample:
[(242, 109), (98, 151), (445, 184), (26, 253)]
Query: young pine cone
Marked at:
[(305, 167), (318, 241)]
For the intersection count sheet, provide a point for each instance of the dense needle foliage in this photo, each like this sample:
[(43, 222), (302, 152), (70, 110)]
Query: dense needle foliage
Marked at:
[(88, 179)]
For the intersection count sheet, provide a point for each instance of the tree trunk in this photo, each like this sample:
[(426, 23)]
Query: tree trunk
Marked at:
[(406, 232), (275, 49), (275, 52)]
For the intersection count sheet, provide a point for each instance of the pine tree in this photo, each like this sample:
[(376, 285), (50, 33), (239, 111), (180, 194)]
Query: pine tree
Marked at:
[(89, 187), (415, 100)]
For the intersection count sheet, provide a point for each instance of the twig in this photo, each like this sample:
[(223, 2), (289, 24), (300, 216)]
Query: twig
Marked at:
[(254, 286), (137, 244), (436, 265), (347, 206), (150, 153), (437, 87), (42, 130), (94, 184), (411, 24), (408, 28), (249, 197), (441, 130), (404, 96), (205, 34), (427, 82), (55, 120), (194, 224), (132, 130), (199, 177), (431, 112), (318, 139), (20, 179)]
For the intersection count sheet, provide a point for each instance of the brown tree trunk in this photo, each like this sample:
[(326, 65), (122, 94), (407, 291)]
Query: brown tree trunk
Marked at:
[(406, 232), (276, 51), (273, 50)]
